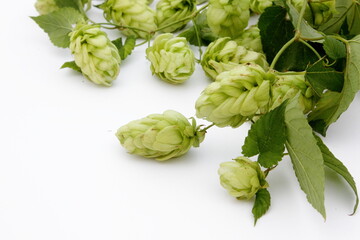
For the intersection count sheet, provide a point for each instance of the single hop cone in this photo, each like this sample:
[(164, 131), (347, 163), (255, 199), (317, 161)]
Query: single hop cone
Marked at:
[(160, 136), (259, 6), (224, 54), (228, 18), (287, 86), (171, 58), (322, 10), (242, 178), (44, 7), (236, 96), (250, 39), (131, 13), (171, 11), (97, 57)]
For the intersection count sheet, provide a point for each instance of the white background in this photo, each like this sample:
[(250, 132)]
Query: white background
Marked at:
[(64, 175)]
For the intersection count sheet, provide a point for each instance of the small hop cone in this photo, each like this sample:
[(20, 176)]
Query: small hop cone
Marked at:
[(236, 96), (94, 53), (242, 178), (160, 136), (228, 18), (250, 39), (132, 13), (170, 11), (288, 86), (44, 7), (259, 6), (171, 58), (322, 10), (224, 54)]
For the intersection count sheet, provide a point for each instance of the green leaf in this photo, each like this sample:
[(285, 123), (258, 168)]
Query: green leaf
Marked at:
[(331, 106), (71, 65), (322, 77), (334, 48), (346, 10), (306, 31), (275, 31), (325, 108), (261, 204), (305, 155), (126, 48), (58, 25), (353, 18), (336, 165), (266, 137)]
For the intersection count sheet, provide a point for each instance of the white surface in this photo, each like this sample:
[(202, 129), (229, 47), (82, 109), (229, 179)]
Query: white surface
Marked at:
[(63, 174)]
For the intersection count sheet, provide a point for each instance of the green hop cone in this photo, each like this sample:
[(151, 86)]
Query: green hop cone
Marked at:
[(322, 10), (259, 6), (160, 136), (224, 54), (171, 11), (236, 96), (250, 38), (45, 6), (287, 86), (242, 178), (228, 18), (171, 58), (94, 53), (132, 13)]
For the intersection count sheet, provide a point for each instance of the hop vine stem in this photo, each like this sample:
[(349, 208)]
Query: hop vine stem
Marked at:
[(297, 37)]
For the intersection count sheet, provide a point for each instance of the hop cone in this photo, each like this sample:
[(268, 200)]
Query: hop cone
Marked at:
[(160, 136), (225, 54), (259, 6), (288, 86), (132, 13), (170, 11), (94, 53), (322, 10), (228, 18), (242, 177), (45, 6), (235, 96), (171, 58), (250, 38)]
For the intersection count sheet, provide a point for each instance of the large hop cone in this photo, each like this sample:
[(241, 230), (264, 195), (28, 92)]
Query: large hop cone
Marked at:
[(132, 13), (259, 6), (250, 38), (160, 136), (224, 54), (287, 86), (228, 18), (236, 96), (322, 10), (171, 58), (94, 53), (170, 11)]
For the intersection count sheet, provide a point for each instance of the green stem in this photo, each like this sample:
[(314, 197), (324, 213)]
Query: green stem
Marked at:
[(123, 27), (206, 128), (198, 39), (310, 47), (188, 18), (266, 172), (281, 51), (301, 15)]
